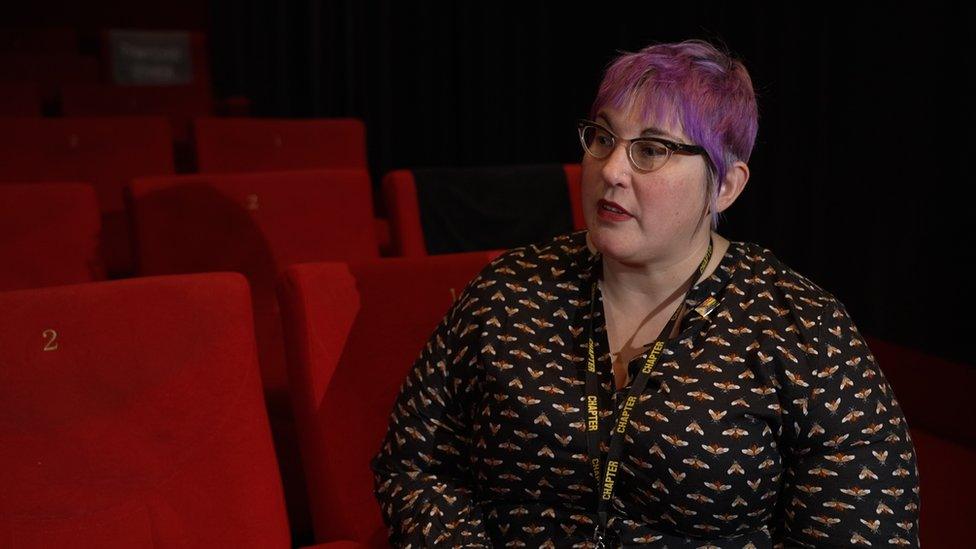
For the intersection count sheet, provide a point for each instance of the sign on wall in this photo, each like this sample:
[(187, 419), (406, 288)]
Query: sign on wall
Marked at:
[(151, 58)]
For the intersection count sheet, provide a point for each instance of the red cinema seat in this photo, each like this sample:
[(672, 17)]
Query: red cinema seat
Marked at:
[(19, 99), (48, 70), (934, 393), (181, 104), (106, 152), (268, 144), (947, 482), (256, 224), (131, 415), (271, 144), (406, 210), (48, 235), (930, 389), (352, 332)]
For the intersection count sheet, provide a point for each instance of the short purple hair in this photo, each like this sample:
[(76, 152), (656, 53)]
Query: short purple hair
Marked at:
[(692, 85)]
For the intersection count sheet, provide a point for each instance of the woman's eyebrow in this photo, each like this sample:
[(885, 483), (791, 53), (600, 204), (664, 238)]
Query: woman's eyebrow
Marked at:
[(655, 132), (647, 132), (606, 120)]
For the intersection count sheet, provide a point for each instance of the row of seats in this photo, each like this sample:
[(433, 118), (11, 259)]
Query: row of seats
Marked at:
[(110, 152), (256, 224), (121, 437), (124, 438)]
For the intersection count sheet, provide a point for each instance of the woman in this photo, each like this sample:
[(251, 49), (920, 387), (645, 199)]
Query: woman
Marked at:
[(647, 381)]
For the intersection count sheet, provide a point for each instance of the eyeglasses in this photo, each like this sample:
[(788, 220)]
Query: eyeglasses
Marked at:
[(646, 153)]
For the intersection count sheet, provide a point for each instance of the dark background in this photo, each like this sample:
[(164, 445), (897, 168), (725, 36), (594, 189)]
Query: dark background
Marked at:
[(863, 170)]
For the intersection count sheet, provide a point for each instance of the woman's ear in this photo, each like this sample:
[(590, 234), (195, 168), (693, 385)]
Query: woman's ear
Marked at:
[(735, 182)]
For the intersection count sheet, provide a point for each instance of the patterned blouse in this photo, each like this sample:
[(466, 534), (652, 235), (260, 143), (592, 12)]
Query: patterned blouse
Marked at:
[(765, 423)]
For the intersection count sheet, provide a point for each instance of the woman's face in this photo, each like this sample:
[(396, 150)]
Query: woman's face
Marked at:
[(665, 208)]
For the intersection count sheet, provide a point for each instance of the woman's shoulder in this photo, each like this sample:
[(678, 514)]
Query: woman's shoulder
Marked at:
[(761, 273), (561, 258)]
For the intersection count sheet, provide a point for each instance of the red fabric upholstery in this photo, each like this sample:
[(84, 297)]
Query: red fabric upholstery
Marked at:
[(352, 333), (933, 392), (48, 70), (947, 481), (256, 224), (106, 152), (131, 416), (181, 104), (406, 233), (48, 235), (265, 144), (19, 99)]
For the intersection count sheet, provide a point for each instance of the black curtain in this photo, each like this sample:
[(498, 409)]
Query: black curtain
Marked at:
[(861, 177)]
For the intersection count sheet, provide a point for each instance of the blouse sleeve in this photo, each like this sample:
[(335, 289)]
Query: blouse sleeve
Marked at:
[(852, 477), (421, 478)]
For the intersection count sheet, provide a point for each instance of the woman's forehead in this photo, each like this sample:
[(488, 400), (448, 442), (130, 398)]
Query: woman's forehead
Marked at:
[(640, 120)]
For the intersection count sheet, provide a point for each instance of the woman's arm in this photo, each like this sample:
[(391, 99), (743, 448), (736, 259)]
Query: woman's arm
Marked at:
[(852, 478), (422, 481)]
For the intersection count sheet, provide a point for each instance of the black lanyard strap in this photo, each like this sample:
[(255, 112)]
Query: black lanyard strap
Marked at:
[(605, 487)]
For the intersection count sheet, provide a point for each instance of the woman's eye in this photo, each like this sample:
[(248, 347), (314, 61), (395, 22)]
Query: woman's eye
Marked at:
[(650, 151), (604, 140)]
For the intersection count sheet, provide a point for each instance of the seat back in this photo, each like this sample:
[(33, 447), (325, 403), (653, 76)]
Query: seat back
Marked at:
[(352, 333), (932, 391), (106, 152), (945, 476), (267, 144), (131, 416), (180, 104), (257, 224), (449, 210), (48, 235)]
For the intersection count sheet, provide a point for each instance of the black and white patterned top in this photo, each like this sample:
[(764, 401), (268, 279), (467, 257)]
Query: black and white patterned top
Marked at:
[(766, 423)]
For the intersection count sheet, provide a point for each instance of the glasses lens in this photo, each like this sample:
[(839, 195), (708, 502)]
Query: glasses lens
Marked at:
[(597, 141), (648, 155)]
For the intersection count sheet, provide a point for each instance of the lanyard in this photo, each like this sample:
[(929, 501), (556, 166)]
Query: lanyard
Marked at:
[(609, 474)]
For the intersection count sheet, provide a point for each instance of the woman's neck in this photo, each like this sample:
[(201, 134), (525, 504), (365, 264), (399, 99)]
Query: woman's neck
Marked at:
[(658, 284)]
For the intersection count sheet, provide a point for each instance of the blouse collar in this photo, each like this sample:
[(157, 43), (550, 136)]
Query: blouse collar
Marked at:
[(704, 289)]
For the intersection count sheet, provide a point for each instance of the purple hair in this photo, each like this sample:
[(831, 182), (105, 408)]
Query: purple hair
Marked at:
[(693, 86)]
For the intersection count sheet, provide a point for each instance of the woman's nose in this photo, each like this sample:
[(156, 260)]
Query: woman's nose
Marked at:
[(616, 167)]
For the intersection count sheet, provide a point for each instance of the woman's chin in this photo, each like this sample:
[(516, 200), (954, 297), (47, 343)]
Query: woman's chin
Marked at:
[(611, 246)]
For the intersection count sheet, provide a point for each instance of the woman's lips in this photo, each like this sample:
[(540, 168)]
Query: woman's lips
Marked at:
[(611, 211)]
